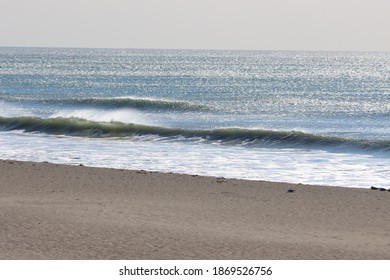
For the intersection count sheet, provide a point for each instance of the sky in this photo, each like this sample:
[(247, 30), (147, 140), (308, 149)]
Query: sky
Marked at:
[(335, 25)]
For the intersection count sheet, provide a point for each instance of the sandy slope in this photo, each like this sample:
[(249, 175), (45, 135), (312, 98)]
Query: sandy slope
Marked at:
[(52, 211)]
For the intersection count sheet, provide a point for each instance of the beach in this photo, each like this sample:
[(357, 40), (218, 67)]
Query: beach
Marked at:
[(52, 211)]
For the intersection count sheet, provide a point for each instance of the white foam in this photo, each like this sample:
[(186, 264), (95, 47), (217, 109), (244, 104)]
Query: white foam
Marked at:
[(9, 111), (281, 165), (120, 115)]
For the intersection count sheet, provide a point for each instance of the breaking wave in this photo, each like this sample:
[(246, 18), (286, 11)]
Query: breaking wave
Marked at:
[(234, 136), (116, 102)]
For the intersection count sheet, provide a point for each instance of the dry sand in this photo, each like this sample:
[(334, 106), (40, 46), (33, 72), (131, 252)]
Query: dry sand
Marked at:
[(50, 211)]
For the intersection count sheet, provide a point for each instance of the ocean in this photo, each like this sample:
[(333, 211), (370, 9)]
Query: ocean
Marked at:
[(288, 116)]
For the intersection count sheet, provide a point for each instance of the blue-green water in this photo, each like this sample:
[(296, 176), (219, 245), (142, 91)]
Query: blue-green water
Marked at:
[(309, 117)]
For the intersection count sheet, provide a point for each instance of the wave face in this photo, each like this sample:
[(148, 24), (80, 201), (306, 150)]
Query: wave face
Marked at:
[(232, 136)]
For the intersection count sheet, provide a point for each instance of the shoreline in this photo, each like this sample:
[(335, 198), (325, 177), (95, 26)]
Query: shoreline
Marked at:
[(53, 211)]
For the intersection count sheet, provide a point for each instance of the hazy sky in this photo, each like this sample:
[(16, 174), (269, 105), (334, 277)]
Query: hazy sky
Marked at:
[(198, 24)]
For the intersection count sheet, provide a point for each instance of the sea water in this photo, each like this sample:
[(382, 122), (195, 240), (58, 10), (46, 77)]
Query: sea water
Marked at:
[(304, 117)]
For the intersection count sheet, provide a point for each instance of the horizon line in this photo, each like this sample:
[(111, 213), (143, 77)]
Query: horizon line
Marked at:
[(191, 49)]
